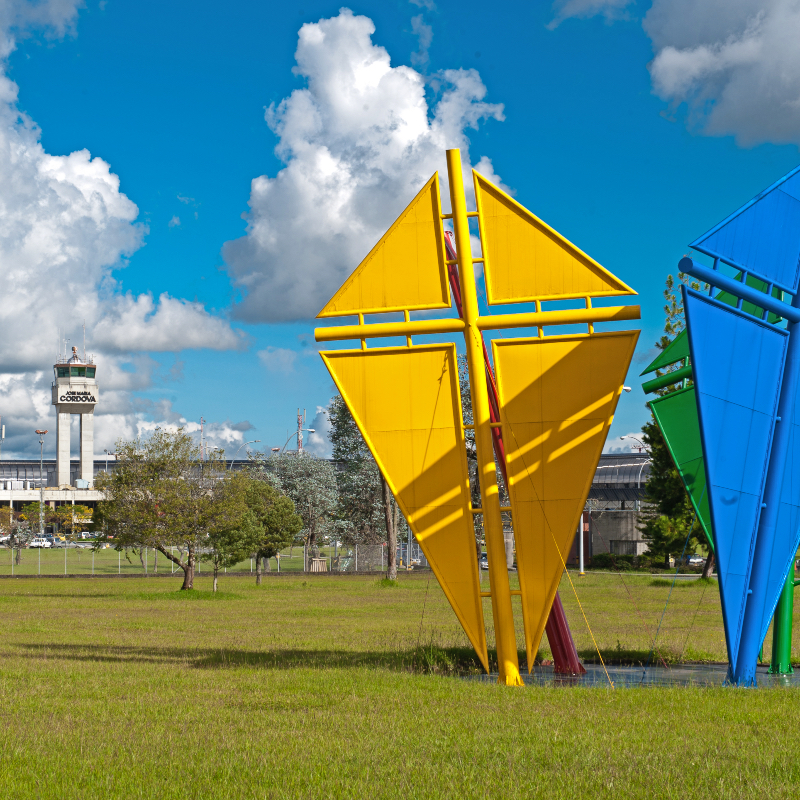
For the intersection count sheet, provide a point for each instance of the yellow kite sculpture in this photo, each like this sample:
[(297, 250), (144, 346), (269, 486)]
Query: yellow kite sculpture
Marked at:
[(557, 396)]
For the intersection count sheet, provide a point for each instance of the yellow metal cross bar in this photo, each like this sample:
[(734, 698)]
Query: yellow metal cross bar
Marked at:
[(533, 319), (505, 638)]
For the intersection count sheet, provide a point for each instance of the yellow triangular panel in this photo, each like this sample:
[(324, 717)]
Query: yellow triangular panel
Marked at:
[(557, 400), (526, 260), (406, 270), (407, 405)]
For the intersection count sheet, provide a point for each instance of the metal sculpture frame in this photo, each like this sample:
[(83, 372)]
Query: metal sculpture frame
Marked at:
[(416, 433)]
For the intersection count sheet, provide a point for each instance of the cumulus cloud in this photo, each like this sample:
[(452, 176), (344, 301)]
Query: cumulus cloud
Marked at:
[(319, 443), (734, 65), (278, 359), (358, 143), (610, 9), (65, 226), (424, 34), (174, 222)]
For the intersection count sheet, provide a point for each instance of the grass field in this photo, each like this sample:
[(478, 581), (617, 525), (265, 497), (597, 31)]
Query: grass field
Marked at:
[(342, 687)]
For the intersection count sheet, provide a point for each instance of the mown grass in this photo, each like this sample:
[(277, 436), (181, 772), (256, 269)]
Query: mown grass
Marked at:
[(345, 687)]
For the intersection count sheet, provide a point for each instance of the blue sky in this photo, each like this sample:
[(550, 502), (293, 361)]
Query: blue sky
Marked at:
[(630, 129)]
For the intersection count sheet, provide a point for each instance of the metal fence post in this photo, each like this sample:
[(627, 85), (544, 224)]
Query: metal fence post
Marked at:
[(356, 558), (119, 561), (92, 561), (65, 557)]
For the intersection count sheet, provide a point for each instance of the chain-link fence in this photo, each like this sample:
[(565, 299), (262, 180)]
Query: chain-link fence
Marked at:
[(81, 559)]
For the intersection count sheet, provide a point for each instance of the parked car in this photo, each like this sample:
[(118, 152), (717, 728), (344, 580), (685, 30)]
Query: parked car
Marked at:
[(39, 542), (696, 561), (484, 562)]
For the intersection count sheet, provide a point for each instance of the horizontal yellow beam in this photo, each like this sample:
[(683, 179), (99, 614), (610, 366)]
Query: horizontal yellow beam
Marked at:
[(384, 329), (569, 316), (489, 594), (534, 319)]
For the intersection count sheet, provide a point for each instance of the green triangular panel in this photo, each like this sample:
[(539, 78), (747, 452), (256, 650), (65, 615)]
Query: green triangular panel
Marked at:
[(676, 350), (749, 308), (676, 417)]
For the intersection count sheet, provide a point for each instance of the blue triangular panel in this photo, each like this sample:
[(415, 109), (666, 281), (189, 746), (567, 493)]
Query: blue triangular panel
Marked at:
[(737, 366), (787, 533), (763, 235)]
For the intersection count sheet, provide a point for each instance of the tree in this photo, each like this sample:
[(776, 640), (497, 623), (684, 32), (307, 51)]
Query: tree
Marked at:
[(17, 530), (368, 513), (667, 523), (232, 536), (30, 514), (73, 518), (310, 482), (276, 521), (162, 495)]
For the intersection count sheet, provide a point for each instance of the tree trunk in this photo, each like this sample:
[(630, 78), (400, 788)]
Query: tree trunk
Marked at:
[(391, 532), (155, 561), (216, 571), (267, 565), (709, 566), (258, 570), (18, 559), (188, 572), (666, 561)]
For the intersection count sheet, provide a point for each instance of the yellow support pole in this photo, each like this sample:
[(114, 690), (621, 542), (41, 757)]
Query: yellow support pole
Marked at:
[(490, 498)]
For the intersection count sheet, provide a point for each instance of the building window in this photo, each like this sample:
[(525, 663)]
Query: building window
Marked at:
[(62, 372), (77, 372), (622, 547), (90, 372)]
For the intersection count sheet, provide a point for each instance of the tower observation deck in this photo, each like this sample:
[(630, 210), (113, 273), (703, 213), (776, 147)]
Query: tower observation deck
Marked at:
[(75, 391)]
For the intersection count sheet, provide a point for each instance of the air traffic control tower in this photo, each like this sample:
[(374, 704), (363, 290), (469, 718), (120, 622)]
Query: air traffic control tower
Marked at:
[(75, 392)]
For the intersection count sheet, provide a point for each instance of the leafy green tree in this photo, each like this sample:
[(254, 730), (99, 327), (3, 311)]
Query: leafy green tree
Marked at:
[(276, 521), (16, 530), (30, 513), (232, 536), (310, 483), (162, 495), (669, 516), (368, 514)]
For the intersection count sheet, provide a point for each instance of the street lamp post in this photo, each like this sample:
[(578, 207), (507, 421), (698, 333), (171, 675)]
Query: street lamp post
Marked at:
[(41, 481), (254, 441), (107, 455), (307, 430)]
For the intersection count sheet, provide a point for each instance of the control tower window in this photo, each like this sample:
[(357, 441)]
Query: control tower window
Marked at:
[(77, 372), (62, 372), (90, 372)]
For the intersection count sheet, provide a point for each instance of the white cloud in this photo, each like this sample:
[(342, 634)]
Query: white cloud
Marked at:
[(424, 34), (169, 325), (734, 65), (278, 359), (64, 227), (174, 222), (318, 443), (429, 4), (610, 9), (358, 143)]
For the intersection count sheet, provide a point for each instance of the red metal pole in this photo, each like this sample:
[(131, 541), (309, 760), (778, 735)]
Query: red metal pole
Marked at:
[(565, 656)]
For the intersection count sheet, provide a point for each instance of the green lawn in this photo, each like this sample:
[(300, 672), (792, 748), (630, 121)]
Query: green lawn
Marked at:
[(341, 687)]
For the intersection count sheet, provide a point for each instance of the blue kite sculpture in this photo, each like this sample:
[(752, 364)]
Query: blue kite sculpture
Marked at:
[(747, 400)]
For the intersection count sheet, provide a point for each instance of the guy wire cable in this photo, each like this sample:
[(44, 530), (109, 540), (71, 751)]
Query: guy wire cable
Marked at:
[(630, 595), (558, 550), (674, 579)]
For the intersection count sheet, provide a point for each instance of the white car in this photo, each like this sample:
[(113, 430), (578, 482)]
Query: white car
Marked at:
[(39, 542)]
